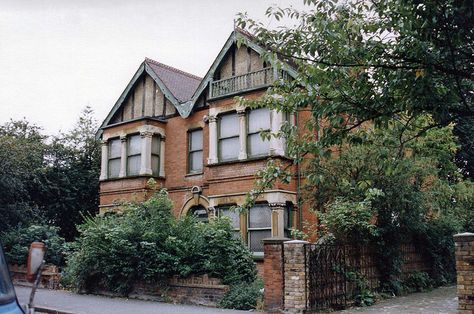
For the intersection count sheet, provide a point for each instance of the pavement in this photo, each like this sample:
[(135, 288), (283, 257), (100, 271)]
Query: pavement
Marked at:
[(438, 301), (92, 304)]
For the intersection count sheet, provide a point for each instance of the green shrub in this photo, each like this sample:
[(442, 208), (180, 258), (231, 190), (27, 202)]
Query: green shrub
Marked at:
[(17, 243), (146, 243), (243, 296), (418, 282)]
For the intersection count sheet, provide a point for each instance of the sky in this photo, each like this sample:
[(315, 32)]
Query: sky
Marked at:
[(58, 56)]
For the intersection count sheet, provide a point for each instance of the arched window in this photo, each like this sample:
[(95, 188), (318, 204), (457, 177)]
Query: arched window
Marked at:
[(199, 212)]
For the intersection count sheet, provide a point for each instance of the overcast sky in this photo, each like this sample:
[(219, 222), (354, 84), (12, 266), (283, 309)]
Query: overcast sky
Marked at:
[(57, 56)]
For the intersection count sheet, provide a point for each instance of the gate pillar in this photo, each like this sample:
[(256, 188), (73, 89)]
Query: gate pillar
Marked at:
[(295, 276), (273, 274), (465, 271)]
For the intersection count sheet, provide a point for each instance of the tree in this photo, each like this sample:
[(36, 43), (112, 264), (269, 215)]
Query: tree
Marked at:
[(71, 178), (375, 61), (22, 151)]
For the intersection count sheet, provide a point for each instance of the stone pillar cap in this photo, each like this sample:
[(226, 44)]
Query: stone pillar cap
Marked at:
[(297, 242), (274, 240), (464, 234)]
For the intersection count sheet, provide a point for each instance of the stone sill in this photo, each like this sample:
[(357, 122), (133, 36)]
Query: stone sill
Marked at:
[(133, 177), (250, 159)]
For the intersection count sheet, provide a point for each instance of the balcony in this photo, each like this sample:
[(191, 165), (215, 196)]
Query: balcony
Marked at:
[(246, 82)]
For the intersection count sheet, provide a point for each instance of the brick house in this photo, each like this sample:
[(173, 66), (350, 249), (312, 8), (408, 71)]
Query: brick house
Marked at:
[(193, 138)]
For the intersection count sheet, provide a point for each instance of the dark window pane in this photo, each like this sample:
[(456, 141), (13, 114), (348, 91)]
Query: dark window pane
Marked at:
[(114, 168), (199, 212), (155, 145), (134, 145), (114, 148), (260, 216), (155, 164), (133, 165), (195, 161), (257, 146), (233, 215), (255, 239), (229, 148), (259, 119), (195, 139), (229, 125)]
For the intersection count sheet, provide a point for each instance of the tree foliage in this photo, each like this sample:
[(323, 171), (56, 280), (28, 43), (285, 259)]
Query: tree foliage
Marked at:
[(48, 179)]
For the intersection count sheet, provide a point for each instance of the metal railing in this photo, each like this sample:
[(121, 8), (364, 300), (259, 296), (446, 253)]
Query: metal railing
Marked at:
[(249, 81)]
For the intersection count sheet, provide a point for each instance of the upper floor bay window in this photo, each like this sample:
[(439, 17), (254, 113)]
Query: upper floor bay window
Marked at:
[(229, 137), (195, 144), (258, 120), (113, 160), (133, 155)]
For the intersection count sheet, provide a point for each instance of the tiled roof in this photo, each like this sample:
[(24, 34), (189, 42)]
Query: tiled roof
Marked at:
[(180, 83)]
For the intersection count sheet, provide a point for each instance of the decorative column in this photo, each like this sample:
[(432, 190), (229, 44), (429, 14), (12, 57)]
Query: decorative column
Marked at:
[(145, 158), (104, 160), (278, 219), (465, 271), (277, 146), (294, 276), (162, 156), (212, 140), (123, 156), (242, 133)]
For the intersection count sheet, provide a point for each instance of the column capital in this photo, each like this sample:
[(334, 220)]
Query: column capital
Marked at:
[(146, 134), (277, 205), (213, 118), (240, 110), (123, 138), (104, 142)]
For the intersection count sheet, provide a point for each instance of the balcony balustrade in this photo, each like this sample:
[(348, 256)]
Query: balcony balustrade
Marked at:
[(246, 82)]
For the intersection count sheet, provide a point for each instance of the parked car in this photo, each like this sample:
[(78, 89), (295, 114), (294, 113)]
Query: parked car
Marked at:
[(8, 301)]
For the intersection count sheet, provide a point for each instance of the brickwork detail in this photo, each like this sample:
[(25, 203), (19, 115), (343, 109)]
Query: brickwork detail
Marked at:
[(273, 274), (295, 276), (50, 276), (465, 271)]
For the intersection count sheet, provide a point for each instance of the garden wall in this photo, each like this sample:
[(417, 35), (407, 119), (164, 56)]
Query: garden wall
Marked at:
[(50, 278), (294, 284)]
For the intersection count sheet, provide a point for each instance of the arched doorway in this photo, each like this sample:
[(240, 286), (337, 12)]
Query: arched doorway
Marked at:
[(199, 212)]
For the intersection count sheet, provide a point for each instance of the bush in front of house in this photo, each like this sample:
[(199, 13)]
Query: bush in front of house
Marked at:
[(146, 243), (243, 296), (16, 243)]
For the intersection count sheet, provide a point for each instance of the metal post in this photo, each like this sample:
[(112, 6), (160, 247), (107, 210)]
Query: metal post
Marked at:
[(35, 285)]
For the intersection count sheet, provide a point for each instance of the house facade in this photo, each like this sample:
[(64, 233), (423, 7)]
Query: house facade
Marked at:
[(193, 138)]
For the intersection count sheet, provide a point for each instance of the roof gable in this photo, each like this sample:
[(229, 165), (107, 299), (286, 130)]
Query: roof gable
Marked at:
[(237, 36), (177, 86)]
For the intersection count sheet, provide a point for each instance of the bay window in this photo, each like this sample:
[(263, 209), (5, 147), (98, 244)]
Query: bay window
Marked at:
[(234, 216)]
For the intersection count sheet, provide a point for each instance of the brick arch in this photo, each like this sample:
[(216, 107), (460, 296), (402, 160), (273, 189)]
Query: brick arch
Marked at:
[(194, 201)]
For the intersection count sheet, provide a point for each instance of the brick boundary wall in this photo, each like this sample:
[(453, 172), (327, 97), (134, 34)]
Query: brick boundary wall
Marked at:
[(295, 276), (465, 271), (50, 276), (273, 271)]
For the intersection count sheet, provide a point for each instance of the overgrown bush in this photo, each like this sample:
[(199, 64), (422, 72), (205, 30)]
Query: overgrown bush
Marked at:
[(146, 243), (418, 282), (17, 243), (243, 296)]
